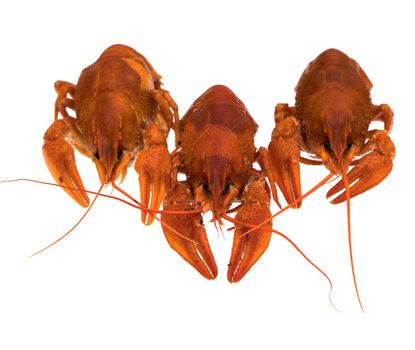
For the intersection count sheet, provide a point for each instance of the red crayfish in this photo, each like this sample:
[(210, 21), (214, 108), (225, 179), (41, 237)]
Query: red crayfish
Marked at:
[(122, 115), (331, 122)]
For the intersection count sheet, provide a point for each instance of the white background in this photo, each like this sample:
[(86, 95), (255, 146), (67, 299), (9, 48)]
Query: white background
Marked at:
[(114, 283)]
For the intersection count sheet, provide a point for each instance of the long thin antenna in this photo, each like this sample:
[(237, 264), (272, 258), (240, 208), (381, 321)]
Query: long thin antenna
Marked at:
[(73, 227), (349, 236), (137, 204)]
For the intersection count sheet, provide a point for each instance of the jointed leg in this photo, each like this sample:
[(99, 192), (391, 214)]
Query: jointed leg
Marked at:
[(170, 110), (384, 113), (284, 152), (63, 88)]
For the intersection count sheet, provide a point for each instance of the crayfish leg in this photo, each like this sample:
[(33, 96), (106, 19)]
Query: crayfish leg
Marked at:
[(153, 165), (284, 153)]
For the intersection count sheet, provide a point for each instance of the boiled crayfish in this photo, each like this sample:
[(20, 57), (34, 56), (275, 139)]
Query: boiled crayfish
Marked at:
[(330, 121), (217, 155), (122, 115)]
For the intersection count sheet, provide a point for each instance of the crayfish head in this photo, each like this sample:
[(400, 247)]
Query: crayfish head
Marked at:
[(111, 155), (337, 142), (111, 163), (217, 191)]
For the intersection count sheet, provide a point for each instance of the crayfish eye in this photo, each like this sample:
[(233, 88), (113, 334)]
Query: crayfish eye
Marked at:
[(349, 144), (96, 155), (206, 186), (119, 154), (327, 146), (227, 186)]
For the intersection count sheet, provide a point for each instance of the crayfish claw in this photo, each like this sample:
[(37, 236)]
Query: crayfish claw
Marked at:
[(153, 165), (185, 233), (60, 160), (248, 248), (284, 152), (368, 171)]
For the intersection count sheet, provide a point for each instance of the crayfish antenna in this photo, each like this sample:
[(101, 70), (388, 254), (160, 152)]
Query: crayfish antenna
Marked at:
[(73, 227), (349, 236), (136, 204)]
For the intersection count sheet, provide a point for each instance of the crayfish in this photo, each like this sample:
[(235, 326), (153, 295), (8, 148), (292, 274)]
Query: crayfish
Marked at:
[(330, 121), (217, 154), (122, 115)]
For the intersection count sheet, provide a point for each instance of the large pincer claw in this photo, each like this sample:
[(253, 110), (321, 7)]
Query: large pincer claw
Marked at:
[(284, 152), (185, 232), (153, 165), (248, 248), (60, 160), (369, 170)]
